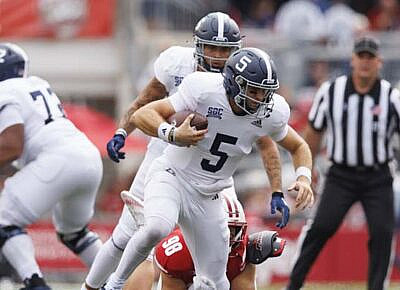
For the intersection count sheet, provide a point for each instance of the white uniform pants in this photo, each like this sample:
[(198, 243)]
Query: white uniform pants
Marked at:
[(200, 217), (64, 180)]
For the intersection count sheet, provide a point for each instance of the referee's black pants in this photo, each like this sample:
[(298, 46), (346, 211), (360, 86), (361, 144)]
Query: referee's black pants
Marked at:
[(345, 186)]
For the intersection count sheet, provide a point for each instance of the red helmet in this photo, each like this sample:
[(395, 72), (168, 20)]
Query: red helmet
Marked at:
[(236, 219)]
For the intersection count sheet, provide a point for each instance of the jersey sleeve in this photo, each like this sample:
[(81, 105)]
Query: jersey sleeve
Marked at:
[(163, 64), (280, 119), (9, 116), (317, 114), (187, 96)]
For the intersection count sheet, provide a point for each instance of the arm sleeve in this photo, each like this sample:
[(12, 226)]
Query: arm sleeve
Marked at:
[(9, 115), (317, 114), (185, 98), (162, 66), (279, 126)]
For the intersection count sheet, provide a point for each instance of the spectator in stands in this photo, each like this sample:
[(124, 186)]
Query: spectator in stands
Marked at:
[(261, 14), (318, 72), (343, 24), (385, 15), (300, 20)]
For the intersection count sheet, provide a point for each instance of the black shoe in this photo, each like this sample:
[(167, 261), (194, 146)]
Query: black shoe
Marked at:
[(35, 283)]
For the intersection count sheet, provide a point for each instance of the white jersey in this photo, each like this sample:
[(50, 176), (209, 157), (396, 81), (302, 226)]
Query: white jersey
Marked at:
[(170, 68), (45, 125), (173, 65), (209, 165)]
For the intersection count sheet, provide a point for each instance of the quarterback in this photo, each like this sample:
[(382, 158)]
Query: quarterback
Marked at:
[(216, 36), (188, 179)]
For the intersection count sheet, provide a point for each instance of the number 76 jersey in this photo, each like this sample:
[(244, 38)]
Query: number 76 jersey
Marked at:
[(209, 164), (40, 111)]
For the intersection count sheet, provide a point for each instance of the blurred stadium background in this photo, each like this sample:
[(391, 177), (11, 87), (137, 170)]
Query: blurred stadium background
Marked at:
[(98, 54)]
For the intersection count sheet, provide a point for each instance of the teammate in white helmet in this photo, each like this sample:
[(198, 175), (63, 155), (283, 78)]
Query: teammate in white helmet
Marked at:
[(60, 170)]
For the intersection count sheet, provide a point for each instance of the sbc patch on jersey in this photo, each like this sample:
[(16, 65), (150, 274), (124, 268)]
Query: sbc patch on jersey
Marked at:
[(214, 112)]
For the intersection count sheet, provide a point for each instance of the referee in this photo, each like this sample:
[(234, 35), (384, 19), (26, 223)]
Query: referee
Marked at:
[(359, 112)]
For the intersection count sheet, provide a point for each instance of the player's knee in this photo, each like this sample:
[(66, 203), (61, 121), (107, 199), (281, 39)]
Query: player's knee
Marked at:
[(203, 283), (120, 238), (154, 234), (7, 232), (157, 229), (77, 242)]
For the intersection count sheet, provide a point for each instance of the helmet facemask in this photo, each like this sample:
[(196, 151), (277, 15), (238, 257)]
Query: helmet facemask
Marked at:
[(236, 220), (206, 62), (263, 108), (237, 233)]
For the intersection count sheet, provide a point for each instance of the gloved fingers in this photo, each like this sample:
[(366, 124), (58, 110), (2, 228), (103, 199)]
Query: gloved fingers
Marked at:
[(118, 145), (114, 157), (111, 151), (285, 216), (273, 207), (285, 211)]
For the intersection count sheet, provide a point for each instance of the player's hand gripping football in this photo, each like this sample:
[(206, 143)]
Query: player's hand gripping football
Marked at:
[(305, 195), (113, 147), (278, 203), (185, 135)]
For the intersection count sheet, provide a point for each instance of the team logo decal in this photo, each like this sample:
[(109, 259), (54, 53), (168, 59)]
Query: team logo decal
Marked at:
[(257, 123), (214, 112), (170, 171), (178, 80)]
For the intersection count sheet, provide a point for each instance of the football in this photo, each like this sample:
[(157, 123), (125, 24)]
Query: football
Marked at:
[(199, 121)]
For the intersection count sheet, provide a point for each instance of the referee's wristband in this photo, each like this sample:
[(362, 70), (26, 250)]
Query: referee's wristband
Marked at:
[(304, 171), (121, 131), (166, 132)]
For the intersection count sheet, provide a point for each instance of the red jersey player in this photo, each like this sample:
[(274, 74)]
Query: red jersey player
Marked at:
[(172, 256)]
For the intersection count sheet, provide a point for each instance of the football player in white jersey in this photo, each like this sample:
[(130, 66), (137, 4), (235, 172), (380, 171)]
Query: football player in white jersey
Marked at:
[(216, 37), (60, 170), (184, 184)]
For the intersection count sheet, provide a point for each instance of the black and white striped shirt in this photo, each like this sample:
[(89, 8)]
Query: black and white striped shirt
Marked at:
[(359, 127)]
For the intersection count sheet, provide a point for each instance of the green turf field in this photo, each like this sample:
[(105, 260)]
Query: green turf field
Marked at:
[(313, 286), (331, 286)]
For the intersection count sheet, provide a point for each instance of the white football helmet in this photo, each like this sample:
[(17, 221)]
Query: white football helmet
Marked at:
[(236, 219)]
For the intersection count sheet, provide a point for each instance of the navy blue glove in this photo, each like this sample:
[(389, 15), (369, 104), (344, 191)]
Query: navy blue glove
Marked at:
[(113, 147), (278, 203)]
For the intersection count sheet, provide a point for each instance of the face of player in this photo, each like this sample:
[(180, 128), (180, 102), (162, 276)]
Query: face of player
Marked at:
[(255, 96), (216, 56), (365, 65)]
